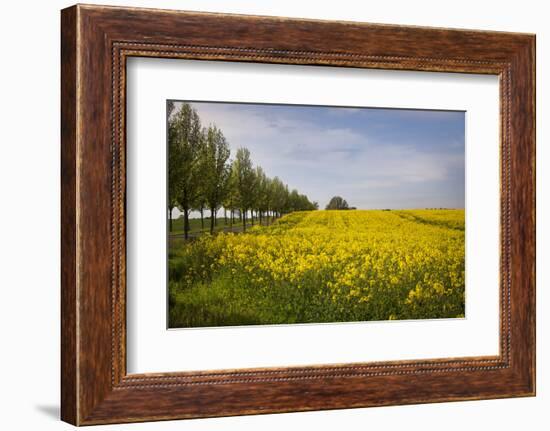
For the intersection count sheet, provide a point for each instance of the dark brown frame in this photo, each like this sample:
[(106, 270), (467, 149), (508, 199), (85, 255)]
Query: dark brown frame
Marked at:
[(95, 43)]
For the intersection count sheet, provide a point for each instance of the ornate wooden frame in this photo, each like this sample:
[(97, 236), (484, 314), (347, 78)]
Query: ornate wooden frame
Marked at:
[(95, 43)]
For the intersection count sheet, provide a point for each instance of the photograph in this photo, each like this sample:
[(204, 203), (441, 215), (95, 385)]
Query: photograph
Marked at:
[(276, 210), (295, 214)]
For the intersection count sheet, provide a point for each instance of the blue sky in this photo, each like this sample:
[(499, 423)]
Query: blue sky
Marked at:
[(374, 158)]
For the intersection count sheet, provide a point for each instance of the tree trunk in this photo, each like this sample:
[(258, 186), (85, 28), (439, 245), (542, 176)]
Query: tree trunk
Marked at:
[(202, 218), (186, 223), (212, 220), (243, 216), (231, 217), (252, 216), (171, 209)]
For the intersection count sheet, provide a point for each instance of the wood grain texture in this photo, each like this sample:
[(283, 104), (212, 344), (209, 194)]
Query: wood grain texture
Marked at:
[(96, 41), (69, 367)]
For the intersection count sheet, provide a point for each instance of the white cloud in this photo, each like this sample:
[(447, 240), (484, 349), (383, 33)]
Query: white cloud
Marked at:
[(322, 160)]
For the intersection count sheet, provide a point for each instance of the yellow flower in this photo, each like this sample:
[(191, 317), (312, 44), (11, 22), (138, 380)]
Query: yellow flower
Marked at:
[(354, 258)]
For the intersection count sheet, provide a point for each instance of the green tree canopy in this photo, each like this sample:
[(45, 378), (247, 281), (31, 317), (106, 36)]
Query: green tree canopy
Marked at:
[(201, 175), (245, 181), (185, 140), (337, 203), (216, 171)]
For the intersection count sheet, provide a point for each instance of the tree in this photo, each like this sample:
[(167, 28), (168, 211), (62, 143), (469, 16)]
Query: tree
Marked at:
[(184, 177), (199, 202), (201, 176), (174, 165), (294, 203), (200, 206), (261, 193), (216, 171), (170, 106), (337, 203), (268, 203), (245, 181), (231, 199), (279, 197)]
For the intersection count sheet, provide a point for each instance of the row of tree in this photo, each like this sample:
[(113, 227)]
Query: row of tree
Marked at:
[(201, 176)]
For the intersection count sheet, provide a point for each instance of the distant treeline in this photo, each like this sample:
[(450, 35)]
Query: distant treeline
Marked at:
[(202, 176), (338, 203)]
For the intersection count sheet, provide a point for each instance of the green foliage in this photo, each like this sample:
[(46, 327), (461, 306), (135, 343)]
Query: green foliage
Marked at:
[(215, 170), (185, 148), (201, 175), (337, 203), (245, 179), (280, 196)]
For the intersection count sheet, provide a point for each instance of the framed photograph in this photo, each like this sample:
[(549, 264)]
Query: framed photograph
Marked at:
[(264, 214)]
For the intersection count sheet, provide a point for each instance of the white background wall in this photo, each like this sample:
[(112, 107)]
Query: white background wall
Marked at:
[(29, 215)]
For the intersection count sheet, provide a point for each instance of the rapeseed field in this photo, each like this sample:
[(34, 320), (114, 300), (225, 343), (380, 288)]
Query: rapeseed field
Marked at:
[(322, 266)]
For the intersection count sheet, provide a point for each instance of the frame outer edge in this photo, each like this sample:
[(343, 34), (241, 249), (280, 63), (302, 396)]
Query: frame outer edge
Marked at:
[(532, 79), (69, 212), (523, 273), (530, 62), (87, 397), (533, 54)]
